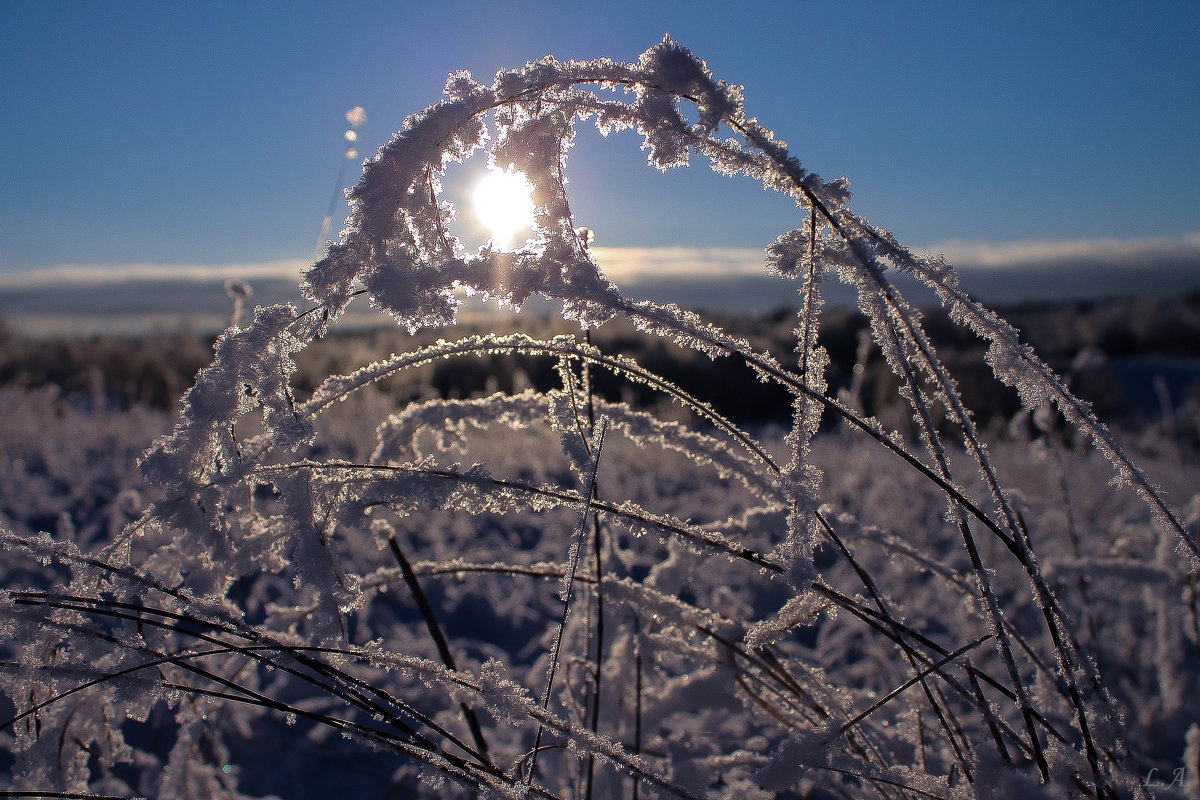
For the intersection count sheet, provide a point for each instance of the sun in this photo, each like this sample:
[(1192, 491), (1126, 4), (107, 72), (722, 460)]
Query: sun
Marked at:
[(504, 204)]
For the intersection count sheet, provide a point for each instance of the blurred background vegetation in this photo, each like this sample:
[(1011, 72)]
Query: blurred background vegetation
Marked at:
[(1136, 360)]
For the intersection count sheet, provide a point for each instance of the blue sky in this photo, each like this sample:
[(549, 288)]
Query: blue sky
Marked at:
[(210, 133)]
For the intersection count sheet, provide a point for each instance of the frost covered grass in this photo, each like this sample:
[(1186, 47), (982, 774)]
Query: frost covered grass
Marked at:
[(551, 594)]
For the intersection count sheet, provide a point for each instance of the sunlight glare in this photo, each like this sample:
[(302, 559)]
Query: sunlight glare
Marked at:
[(503, 204)]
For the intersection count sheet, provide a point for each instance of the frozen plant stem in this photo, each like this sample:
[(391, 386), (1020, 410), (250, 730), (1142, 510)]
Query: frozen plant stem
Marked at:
[(598, 571), (595, 448), (435, 633)]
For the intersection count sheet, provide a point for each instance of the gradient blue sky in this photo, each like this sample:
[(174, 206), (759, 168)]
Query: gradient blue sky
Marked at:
[(210, 133)]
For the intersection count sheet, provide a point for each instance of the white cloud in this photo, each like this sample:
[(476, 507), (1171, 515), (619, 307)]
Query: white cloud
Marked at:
[(632, 263), (1117, 252), (97, 274)]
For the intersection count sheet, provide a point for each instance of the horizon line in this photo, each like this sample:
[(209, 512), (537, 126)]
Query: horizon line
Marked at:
[(672, 261)]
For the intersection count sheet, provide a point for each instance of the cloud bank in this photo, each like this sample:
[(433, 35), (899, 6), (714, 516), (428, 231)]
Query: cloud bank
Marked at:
[(84, 275), (1126, 253), (728, 279), (995, 272), (1131, 254)]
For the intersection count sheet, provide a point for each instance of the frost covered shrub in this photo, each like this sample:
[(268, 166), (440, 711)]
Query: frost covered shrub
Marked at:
[(544, 594), (71, 468)]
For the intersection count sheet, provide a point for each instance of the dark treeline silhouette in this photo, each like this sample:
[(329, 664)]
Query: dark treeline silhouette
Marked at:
[(1089, 342)]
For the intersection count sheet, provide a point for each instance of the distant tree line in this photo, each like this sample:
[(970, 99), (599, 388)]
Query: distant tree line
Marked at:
[(1079, 339)]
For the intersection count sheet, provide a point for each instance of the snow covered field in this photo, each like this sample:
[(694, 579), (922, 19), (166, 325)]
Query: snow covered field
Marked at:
[(679, 684)]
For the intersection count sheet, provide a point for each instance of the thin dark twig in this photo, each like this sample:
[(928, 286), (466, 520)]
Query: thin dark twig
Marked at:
[(336, 682), (435, 632), (934, 667), (941, 710)]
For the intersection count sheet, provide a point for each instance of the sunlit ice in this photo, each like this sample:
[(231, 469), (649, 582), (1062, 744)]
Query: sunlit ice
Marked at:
[(504, 204)]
